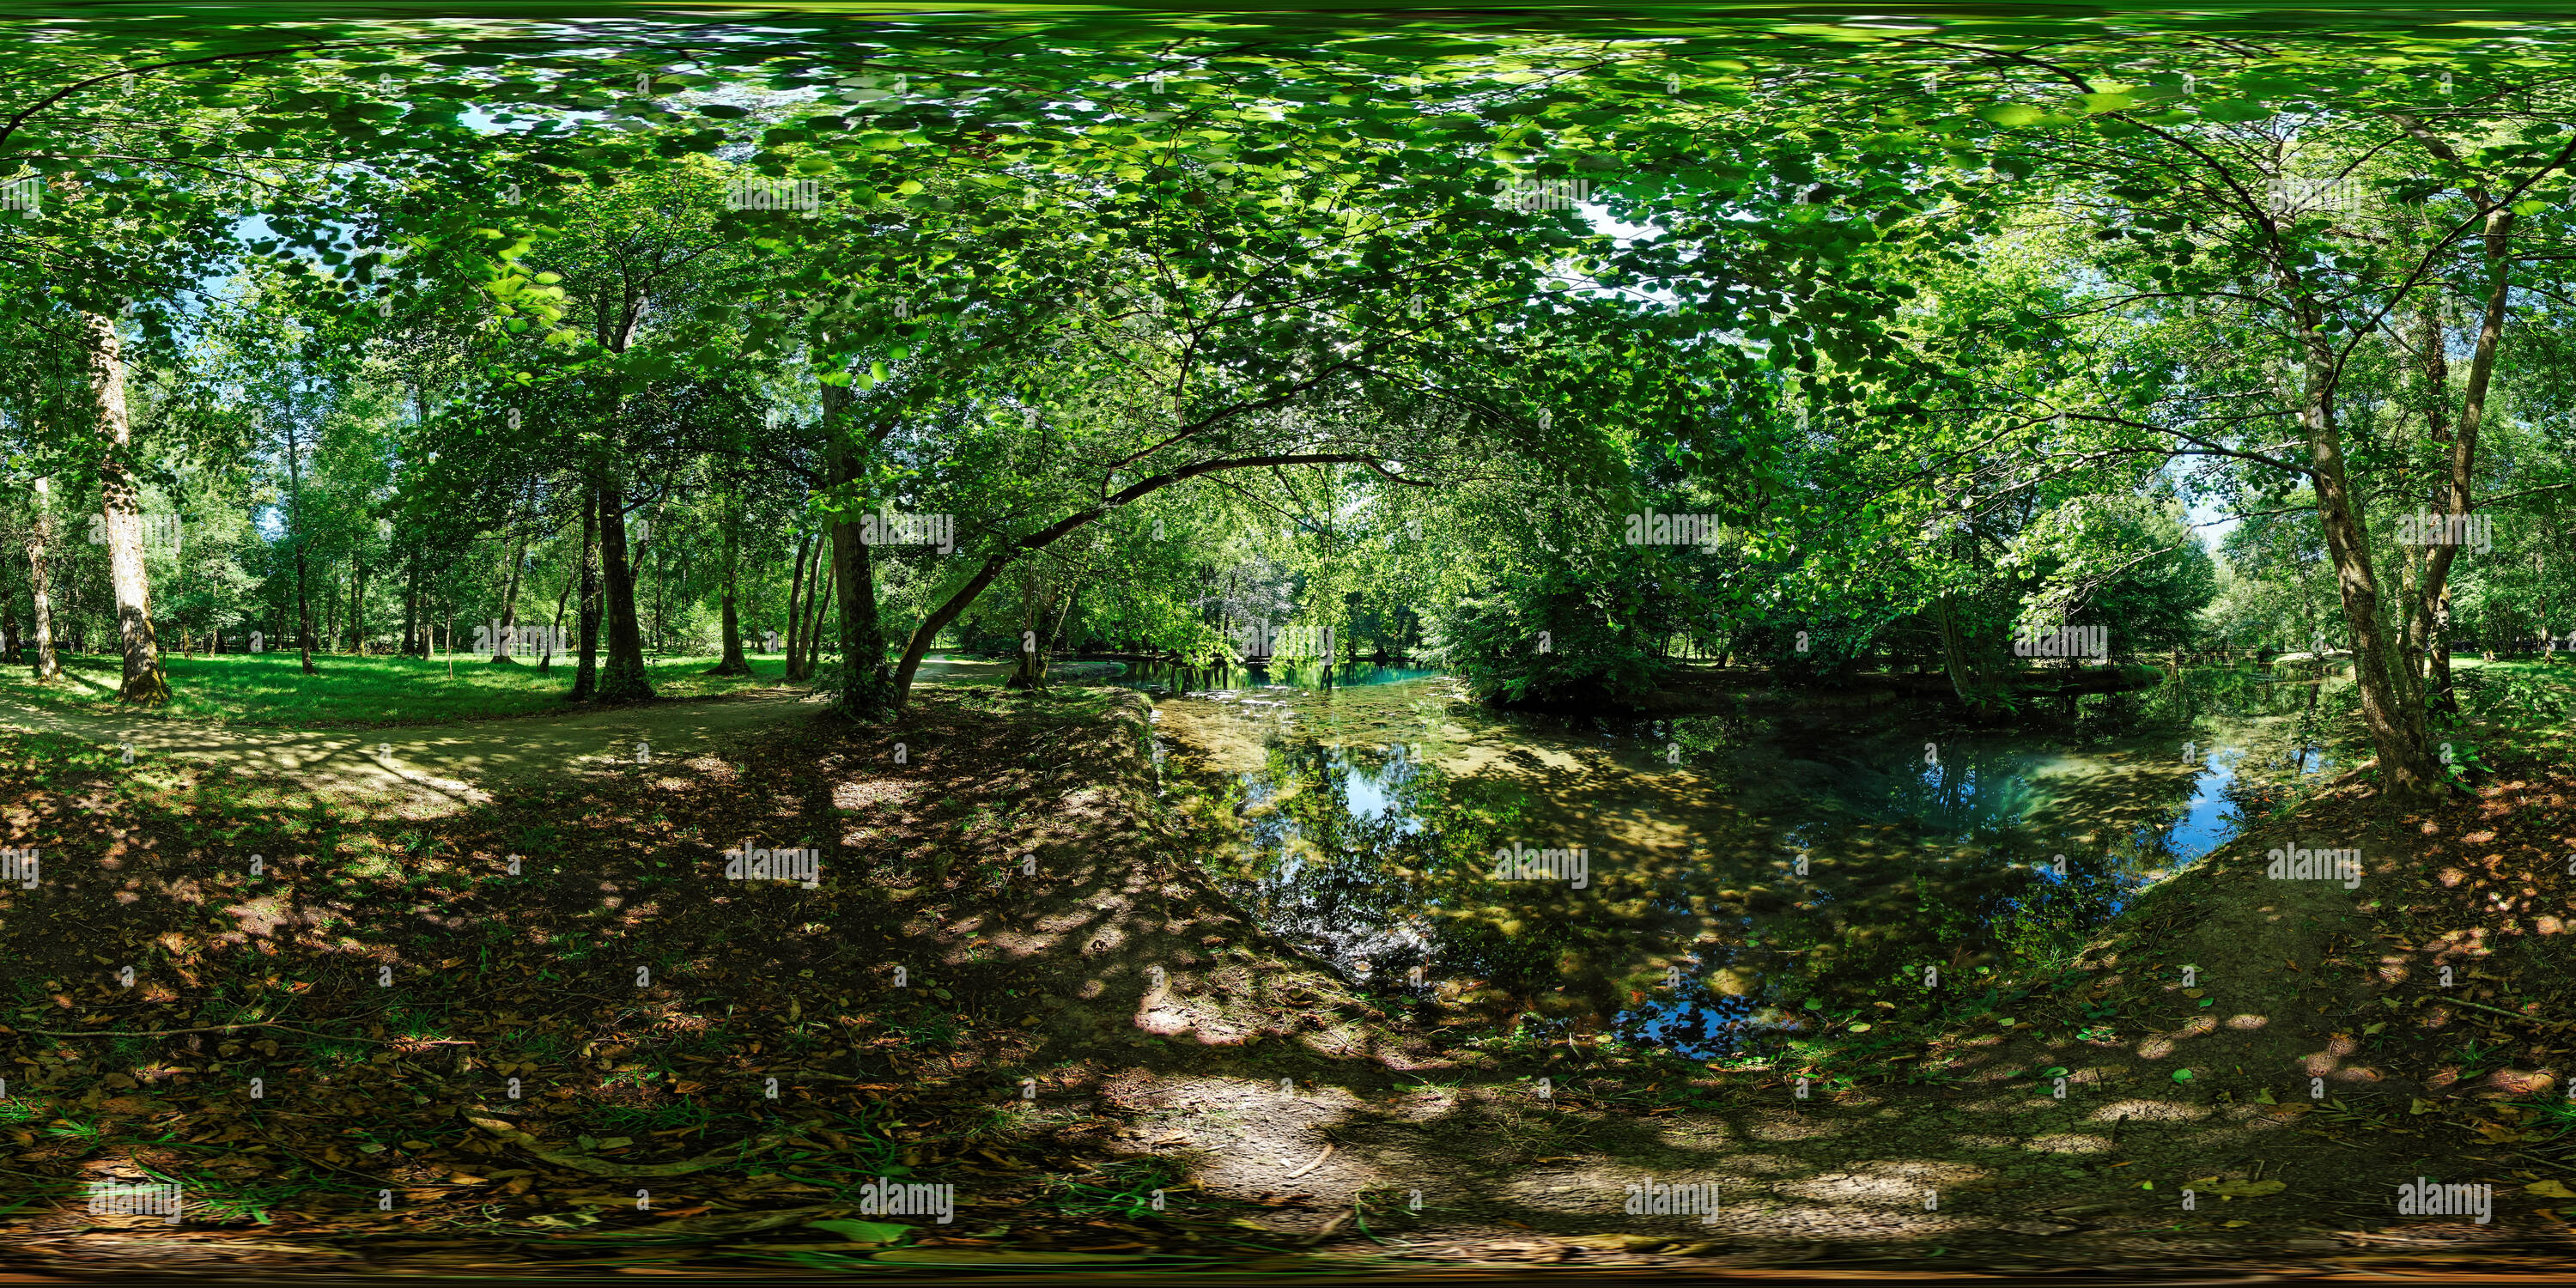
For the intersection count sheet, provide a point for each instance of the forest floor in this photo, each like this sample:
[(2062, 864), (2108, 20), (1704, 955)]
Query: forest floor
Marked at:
[(1012, 978)]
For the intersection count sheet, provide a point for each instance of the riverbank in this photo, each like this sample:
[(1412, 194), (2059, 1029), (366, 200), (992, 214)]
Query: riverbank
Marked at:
[(2174, 1081), (1084, 1018)]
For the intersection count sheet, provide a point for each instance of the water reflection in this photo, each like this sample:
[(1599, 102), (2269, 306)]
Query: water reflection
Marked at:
[(1747, 876)]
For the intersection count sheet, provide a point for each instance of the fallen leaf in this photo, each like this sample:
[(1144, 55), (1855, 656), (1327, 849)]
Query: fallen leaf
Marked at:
[(2497, 1133), (2550, 1190)]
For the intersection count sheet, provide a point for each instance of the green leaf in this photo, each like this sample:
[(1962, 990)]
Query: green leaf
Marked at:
[(2011, 116), (863, 1231), (2182, 1075), (2236, 109)]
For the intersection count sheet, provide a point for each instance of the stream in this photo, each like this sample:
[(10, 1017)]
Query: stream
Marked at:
[(1714, 884)]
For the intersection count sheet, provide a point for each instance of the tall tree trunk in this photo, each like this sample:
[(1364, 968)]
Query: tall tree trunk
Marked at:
[(622, 678), (585, 676), (40, 537), (661, 637), (1964, 678), (796, 611), (733, 662), (411, 608), (867, 687), (1035, 595), (295, 535), (2406, 765), (510, 597), (358, 603), (2434, 610), (144, 683), (2437, 383), (818, 594), (1055, 638), (303, 615), (554, 629)]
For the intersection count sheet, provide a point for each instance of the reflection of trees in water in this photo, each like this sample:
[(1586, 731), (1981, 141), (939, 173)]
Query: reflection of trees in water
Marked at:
[(1365, 853), (1344, 883), (1950, 862), (1407, 880)]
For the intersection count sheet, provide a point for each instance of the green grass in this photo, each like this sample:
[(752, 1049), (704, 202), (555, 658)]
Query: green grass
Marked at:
[(74, 1129), (350, 691), (209, 1197), (1124, 1189), (634, 1120)]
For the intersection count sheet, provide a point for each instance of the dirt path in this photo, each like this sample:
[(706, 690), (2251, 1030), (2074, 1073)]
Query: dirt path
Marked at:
[(428, 770)]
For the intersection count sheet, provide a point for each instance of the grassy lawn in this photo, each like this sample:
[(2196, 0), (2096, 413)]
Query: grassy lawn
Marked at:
[(270, 688)]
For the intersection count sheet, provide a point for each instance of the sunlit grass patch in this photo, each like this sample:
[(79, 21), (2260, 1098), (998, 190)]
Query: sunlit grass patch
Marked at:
[(271, 688)]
